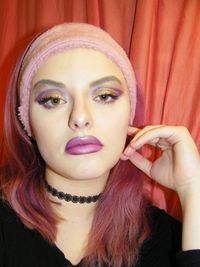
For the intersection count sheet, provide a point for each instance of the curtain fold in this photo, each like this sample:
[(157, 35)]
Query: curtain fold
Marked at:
[(162, 38)]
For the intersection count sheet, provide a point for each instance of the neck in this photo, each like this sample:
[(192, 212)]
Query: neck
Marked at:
[(80, 187)]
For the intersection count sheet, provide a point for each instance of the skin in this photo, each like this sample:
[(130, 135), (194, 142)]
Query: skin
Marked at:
[(178, 166), (81, 112), (84, 76)]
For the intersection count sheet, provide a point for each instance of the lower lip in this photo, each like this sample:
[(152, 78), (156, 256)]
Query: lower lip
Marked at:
[(83, 149)]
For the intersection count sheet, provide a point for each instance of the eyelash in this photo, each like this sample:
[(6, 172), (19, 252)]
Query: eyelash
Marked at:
[(47, 102), (109, 98)]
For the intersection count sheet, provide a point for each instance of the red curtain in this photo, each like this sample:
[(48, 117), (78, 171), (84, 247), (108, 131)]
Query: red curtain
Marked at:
[(162, 38)]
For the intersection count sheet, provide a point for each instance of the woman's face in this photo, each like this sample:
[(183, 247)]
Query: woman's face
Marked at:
[(79, 113)]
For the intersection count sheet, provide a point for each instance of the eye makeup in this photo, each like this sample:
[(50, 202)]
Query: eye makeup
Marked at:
[(50, 98), (107, 90), (106, 95), (51, 94)]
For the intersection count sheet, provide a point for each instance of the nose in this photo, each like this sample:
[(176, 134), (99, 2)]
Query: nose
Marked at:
[(80, 117)]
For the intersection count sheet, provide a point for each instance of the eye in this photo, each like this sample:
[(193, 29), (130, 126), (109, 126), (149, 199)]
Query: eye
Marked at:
[(106, 97), (51, 101)]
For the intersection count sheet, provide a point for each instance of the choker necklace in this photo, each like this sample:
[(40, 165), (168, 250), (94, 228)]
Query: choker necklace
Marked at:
[(71, 198)]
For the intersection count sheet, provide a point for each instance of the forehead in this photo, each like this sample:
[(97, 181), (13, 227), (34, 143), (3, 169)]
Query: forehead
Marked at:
[(78, 63)]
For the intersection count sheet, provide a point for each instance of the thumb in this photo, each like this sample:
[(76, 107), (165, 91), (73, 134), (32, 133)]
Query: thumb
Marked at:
[(141, 163)]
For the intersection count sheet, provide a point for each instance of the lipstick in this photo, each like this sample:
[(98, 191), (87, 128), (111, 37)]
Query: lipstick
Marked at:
[(83, 145)]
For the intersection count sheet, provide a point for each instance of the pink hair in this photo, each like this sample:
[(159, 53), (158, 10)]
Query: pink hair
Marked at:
[(120, 224)]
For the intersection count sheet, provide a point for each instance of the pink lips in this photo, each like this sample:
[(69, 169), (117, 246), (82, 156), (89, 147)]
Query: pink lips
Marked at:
[(83, 145)]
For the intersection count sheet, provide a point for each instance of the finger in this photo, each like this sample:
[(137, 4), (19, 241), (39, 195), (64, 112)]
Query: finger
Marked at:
[(138, 132), (146, 129), (153, 135), (132, 130), (141, 162), (129, 150)]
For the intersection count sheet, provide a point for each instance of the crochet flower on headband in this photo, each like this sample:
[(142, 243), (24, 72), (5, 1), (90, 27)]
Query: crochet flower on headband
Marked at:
[(61, 38)]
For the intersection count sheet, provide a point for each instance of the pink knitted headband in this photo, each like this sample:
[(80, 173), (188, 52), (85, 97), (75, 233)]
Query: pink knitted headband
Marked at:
[(67, 36)]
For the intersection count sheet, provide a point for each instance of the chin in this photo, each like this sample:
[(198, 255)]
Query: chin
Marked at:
[(86, 168), (89, 175), (94, 170)]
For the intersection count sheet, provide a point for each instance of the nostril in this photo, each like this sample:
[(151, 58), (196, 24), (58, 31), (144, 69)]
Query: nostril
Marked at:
[(81, 124)]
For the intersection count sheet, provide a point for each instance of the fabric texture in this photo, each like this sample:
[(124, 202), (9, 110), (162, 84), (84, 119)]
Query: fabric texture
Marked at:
[(64, 37), (20, 246)]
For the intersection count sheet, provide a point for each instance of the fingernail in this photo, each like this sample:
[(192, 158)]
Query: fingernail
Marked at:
[(128, 151), (123, 157)]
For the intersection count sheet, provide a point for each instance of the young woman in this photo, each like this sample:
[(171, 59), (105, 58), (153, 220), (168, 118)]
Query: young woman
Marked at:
[(70, 193)]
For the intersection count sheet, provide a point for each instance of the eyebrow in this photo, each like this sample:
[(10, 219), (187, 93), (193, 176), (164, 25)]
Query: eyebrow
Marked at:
[(50, 82), (92, 84), (104, 80)]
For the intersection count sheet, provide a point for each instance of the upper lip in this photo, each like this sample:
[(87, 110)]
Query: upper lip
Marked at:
[(82, 140)]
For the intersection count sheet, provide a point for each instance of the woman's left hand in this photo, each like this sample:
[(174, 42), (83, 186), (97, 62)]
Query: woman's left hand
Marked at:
[(179, 163), (178, 168)]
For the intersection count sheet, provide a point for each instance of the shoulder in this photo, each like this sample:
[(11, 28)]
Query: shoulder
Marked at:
[(7, 215), (13, 233), (5, 209), (10, 224), (164, 240), (164, 228), (166, 237), (21, 246), (159, 219)]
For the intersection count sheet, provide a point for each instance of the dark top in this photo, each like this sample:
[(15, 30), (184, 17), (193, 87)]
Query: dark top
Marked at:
[(22, 247)]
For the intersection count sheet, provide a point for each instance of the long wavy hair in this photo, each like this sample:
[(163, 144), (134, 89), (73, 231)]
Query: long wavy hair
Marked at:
[(119, 226)]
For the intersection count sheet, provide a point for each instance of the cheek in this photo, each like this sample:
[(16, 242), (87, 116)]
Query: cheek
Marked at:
[(115, 126), (47, 132), (44, 137), (46, 123), (118, 134)]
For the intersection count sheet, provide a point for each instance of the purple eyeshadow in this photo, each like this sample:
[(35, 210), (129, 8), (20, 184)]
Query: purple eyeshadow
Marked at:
[(111, 90), (40, 96), (47, 93)]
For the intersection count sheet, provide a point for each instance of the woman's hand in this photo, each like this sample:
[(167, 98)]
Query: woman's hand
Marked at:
[(179, 163), (178, 168)]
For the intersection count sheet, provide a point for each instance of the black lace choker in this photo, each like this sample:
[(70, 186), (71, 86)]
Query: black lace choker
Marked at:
[(70, 198)]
